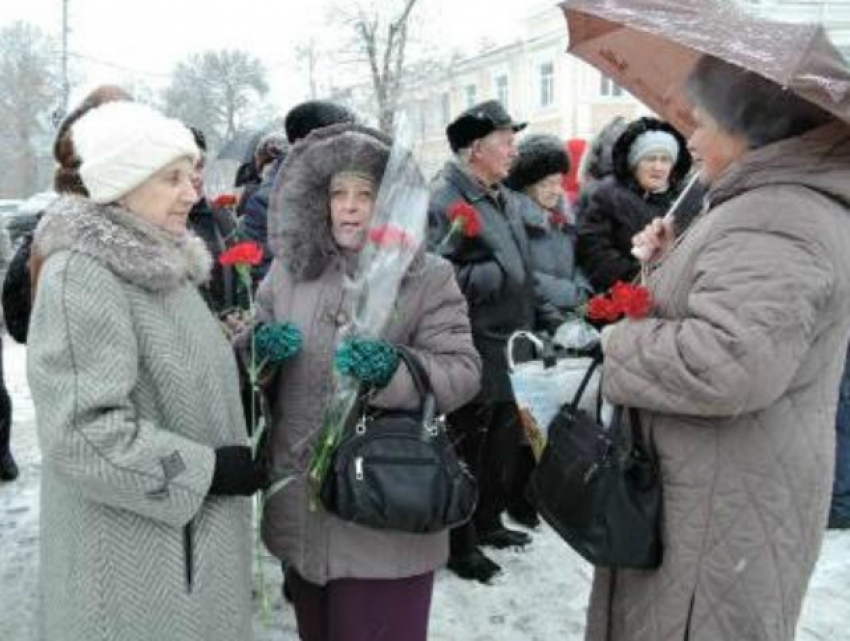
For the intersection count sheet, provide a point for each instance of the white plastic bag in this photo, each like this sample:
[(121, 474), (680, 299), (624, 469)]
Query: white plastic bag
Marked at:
[(540, 391), (576, 334)]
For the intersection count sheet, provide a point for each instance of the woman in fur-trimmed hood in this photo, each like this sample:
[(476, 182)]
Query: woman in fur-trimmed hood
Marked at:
[(350, 582), (650, 161), (145, 531)]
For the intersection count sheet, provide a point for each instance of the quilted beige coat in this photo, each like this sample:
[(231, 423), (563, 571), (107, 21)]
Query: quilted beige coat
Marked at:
[(737, 375)]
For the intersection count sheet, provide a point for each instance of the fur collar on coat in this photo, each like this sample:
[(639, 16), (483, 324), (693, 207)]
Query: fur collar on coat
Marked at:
[(299, 210), (132, 248)]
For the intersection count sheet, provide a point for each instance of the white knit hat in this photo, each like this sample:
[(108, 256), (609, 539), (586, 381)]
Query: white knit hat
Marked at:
[(651, 142), (122, 144)]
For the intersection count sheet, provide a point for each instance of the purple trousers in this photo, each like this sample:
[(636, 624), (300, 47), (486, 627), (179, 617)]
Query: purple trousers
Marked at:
[(362, 609)]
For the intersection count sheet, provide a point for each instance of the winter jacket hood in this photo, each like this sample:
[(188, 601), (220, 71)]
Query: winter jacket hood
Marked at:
[(134, 249), (620, 152), (299, 212), (779, 163)]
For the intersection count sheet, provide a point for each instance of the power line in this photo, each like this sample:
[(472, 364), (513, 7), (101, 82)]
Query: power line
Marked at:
[(107, 63)]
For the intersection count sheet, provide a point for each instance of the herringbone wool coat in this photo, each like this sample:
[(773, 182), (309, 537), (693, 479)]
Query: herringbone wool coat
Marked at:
[(737, 374), (134, 385)]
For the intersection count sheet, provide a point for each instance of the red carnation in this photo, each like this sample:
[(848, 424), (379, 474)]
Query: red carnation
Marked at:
[(225, 200), (247, 253), (465, 218), (601, 308), (632, 300), (639, 304), (391, 235)]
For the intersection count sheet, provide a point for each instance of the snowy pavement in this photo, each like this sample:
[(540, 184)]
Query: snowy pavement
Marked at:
[(540, 596)]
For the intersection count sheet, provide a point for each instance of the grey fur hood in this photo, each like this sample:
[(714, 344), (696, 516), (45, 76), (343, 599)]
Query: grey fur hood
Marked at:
[(134, 249), (299, 209)]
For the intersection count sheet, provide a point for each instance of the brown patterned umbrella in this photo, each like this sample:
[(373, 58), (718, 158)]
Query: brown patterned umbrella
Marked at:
[(650, 47)]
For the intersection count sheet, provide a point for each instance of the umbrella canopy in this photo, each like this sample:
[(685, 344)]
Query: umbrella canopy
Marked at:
[(650, 47)]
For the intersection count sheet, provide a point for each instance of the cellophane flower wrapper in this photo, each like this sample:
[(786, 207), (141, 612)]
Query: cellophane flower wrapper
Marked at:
[(401, 208)]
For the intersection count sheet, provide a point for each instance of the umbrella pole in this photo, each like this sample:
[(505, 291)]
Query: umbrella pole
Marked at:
[(639, 251)]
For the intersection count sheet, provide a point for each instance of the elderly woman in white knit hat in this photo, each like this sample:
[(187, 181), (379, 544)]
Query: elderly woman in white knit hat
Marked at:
[(650, 162), (145, 520)]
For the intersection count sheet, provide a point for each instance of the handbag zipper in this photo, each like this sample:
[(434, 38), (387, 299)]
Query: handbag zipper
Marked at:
[(359, 463)]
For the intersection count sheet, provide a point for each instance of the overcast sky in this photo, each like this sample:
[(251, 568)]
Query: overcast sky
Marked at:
[(119, 40)]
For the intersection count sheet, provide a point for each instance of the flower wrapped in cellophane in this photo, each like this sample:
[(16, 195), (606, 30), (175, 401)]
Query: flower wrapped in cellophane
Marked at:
[(396, 235)]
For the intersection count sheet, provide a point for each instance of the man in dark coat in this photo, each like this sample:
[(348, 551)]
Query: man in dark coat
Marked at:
[(494, 273)]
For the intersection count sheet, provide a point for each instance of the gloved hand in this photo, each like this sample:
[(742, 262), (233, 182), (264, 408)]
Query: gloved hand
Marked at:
[(236, 473), (277, 342), (370, 361)]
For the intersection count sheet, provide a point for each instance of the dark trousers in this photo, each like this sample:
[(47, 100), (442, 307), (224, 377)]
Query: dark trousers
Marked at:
[(525, 464), (363, 609), (841, 487), (489, 436), (5, 409)]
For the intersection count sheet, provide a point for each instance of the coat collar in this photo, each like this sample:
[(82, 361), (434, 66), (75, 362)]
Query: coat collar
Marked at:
[(471, 190), (134, 249)]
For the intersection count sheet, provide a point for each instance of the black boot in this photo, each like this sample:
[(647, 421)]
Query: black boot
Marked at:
[(524, 514), (474, 566), (502, 538), (8, 467)]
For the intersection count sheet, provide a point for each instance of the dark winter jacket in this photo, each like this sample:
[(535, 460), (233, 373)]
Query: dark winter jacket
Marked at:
[(17, 292), (217, 229), (253, 225), (619, 208), (558, 279), (493, 269)]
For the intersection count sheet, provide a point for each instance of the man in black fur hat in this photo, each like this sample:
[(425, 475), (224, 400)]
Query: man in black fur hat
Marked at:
[(493, 270)]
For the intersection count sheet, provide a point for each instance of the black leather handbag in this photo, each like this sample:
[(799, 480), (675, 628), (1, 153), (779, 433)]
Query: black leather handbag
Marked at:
[(398, 470), (599, 489)]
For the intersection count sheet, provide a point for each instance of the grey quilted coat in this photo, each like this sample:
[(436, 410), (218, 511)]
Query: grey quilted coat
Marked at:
[(737, 374), (134, 384), (305, 285)]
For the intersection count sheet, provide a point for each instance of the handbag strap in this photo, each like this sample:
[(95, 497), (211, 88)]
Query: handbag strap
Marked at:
[(584, 382), (422, 382)]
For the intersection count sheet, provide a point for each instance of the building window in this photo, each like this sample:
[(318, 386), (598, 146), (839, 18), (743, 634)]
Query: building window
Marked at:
[(502, 94), (471, 95), (447, 108), (547, 83), (608, 88)]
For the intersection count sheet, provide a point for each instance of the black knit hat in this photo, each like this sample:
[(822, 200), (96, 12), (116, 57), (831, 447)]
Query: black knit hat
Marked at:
[(313, 114), (539, 156), (479, 121)]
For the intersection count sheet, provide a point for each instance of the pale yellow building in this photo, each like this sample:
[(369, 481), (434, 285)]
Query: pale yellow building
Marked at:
[(555, 92), (533, 77)]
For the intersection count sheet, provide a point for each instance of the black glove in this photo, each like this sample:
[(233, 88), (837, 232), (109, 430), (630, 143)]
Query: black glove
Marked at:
[(235, 472)]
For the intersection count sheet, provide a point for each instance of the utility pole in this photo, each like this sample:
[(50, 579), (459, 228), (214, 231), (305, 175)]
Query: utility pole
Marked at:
[(66, 85)]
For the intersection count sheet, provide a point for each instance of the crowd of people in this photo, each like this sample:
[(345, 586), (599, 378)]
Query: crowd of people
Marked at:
[(135, 330)]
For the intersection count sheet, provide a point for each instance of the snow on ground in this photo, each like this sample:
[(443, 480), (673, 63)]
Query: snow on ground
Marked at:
[(540, 596)]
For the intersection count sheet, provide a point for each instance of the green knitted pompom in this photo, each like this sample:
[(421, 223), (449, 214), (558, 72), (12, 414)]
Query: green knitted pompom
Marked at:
[(277, 342), (371, 361)]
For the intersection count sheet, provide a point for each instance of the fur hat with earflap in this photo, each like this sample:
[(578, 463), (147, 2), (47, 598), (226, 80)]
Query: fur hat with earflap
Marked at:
[(538, 156)]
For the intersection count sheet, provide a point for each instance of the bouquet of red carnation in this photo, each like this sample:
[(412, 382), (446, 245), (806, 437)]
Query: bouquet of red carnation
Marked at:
[(623, 299), (465, 220)]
